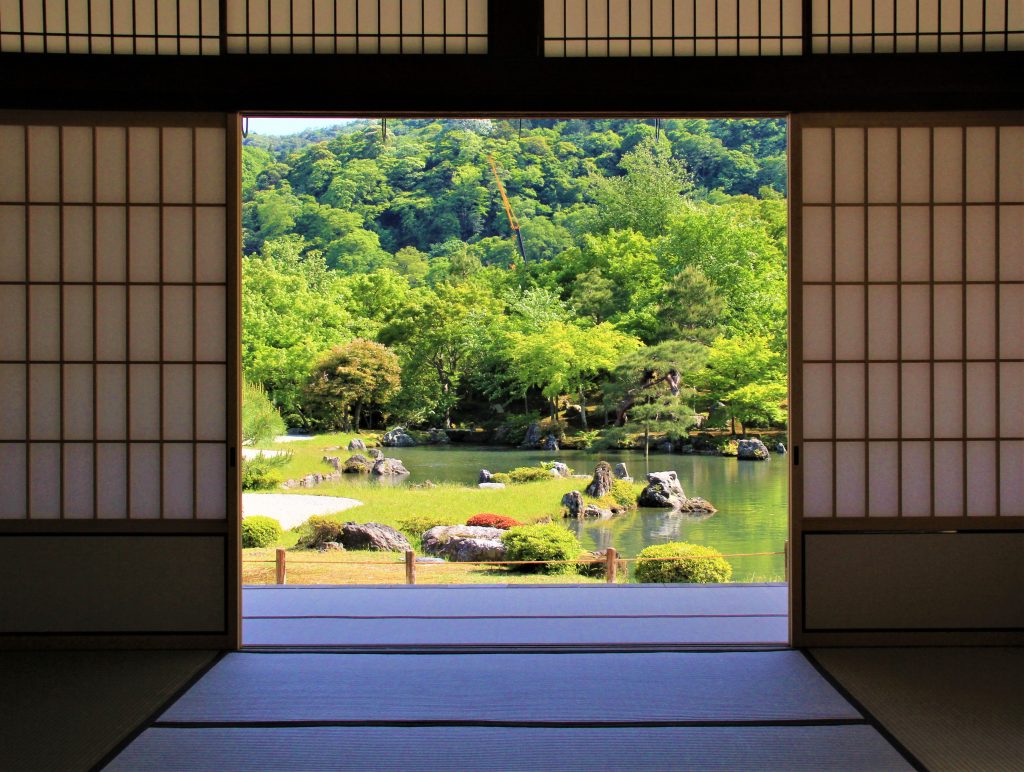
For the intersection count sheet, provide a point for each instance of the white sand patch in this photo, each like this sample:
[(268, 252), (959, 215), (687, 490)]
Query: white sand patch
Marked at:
[(248, 453), (290, 510), (294, 437)]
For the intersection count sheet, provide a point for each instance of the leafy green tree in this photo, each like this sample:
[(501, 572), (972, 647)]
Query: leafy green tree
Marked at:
[(348, 378), (749, 377), (261, 421)]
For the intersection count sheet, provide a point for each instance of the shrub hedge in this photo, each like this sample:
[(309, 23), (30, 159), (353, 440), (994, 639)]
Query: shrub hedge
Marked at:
[(317, 530), (548, 541), (416, 525), (259, 531), (702, 565)]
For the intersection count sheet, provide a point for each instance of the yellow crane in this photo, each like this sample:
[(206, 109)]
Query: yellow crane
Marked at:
[(513, 221)]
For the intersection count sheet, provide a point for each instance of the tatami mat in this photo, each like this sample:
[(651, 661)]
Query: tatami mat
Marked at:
[(489, 748), (64, 710), (721, 686), (953, 708)]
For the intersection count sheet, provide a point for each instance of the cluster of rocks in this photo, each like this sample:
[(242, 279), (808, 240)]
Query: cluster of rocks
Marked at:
[(397, 438), (535, 439), (574, 507), (464, 543), (315, 478), (378, 464), (751, 449), (664, 491), (600, 485)]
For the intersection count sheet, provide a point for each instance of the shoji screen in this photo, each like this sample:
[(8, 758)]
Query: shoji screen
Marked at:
[(908, 375), (118, 423)]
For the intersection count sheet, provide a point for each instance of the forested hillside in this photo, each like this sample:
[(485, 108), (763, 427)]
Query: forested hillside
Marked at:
[(382, 279)]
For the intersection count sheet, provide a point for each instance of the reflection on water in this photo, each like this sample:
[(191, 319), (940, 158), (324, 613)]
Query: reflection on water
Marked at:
[(751, 497)]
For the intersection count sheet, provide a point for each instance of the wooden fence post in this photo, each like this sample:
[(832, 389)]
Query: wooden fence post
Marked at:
[(611, 555), (410, 567), (281, 570)]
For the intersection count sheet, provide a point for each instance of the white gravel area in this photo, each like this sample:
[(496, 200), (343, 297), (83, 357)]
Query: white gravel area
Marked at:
[(294, 437), (248, 453), (291, 509)]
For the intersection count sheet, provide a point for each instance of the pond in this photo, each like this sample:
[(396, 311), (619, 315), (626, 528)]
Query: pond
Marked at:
[(751, 497)]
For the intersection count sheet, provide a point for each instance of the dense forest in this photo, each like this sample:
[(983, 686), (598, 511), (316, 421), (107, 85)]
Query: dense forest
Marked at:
[(382, 280)]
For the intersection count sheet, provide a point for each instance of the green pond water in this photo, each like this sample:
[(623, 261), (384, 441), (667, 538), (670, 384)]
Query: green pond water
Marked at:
[(751, 497)]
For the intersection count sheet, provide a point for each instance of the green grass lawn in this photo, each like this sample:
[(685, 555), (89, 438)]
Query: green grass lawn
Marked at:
[(307, 455)]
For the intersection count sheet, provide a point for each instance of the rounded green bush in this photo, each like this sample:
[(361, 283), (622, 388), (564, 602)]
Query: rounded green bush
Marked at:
[(318, 530), (416, 525), (709, 567), (259, 531), (547, 541)]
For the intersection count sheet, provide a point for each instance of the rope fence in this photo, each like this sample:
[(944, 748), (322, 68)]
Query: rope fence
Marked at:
[(611, 561)]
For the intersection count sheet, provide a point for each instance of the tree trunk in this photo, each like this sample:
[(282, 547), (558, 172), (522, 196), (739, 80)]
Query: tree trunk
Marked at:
[(554, 409), (583, 410), (359, 415), (733, 419)]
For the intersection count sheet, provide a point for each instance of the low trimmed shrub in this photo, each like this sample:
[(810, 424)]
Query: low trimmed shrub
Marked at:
[(501, 477), (416, 525), (625, 494), (525, 474), (487, 520), (318, 530), (260, 531), (542, 542), (699, 565)]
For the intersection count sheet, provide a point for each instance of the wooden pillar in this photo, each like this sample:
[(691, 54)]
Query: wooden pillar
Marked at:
[(280, 566), (410, 567), (611, 555)]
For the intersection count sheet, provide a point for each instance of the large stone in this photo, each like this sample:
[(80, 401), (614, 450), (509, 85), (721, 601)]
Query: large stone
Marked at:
[(333, 461), (485, 476), (550, 443), (780, 448), (387, 467), (357, 464), (621, 473), (533, 436), (373, 536), (602, 482), (356, 444), (752, 450), (663, 490), (573, 504), (558, 469), (438, 437), (397, 438), (462, 543), (376, 454)]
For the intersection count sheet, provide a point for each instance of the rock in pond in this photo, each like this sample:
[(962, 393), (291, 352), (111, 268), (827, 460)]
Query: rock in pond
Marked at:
[(376, 454), (779, 448), (397, 438), (438, 437), (357, 464), (533, 435), (389, 467), (373, 536), (751, 450), (550, 443), (573, 503), (621, 473), (462, 543), (602, 482), (665, 491), (356, 444)]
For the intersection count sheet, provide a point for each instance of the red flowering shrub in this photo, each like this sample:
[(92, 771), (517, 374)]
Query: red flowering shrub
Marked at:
[(488, 520)]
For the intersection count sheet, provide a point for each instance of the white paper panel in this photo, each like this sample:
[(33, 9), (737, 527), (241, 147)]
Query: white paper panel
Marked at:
[(981, 399), (44, 322), (850, 325), (883, 322), (1011, 478), (882, 165), (12, 246), (177, 165), (77, 402), (77, 243), (144, 321), (144, 243), (44, 163), (77, 309), (177, 244), (111, 481), (12, 406), (177, 310), (144, 165), (850, 186), (817, 336), (981, 243), (177, 407), (948, 393), (817, 479), (817, 165), (44, 243), (111, 168), (1011, 162), (981, 171), (817, 243), (78, 481), (1011, 321), (916, 400), (851, 467), (44, 481), (981, 478), (850, 396), (12, 481), (981, 321), (949, 479), (44, 402), (210, 159), (850, 246), (144, 481), (211, 323), (111, 332), (144, 402), (211, 481), (917, 479), (883, 244), (915, 178), (12, 322), (76, 176), (111, 402), (210, 245), (817, 401), (948, 153), (12, 163), (948, 321), (948, 252), (111, 238), (178, 470), (1011, 243), (883, 390), (915, 244), (915, 322), (211, 405), (1011, 399)]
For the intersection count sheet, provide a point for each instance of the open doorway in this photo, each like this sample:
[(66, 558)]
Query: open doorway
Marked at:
[(509, 324)]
